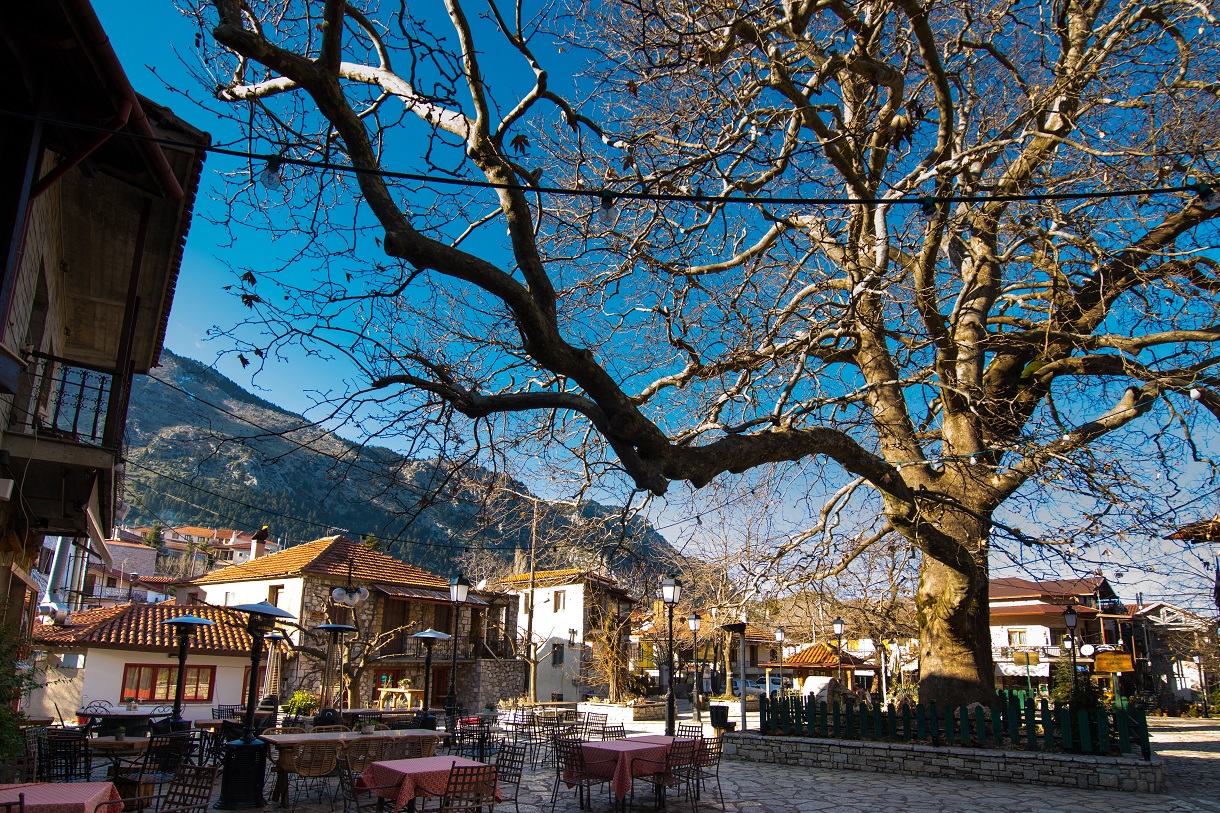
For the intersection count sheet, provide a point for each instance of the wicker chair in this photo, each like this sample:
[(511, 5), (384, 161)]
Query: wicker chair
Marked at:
[(322, 729), (358, 754), (406, 748), (470, 787), (510, 764), (315, 761)]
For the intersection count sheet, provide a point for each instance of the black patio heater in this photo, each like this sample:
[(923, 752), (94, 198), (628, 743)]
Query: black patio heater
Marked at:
[(184, 627), (428, 638), (245, 760), (329, 714)]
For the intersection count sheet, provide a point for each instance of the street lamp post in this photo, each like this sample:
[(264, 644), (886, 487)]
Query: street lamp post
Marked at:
[(839, 626), (428, 638), (459, 588), (779, 639), (245, 760), (671, 593), (184, 627), (693, 621), (1069, 621)]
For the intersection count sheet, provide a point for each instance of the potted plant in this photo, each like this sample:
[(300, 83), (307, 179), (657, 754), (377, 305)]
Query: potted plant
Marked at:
[(120, 734)]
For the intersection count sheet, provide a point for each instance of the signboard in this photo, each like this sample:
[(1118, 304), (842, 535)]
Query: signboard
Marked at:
[(1026, 658), (1113, 662)]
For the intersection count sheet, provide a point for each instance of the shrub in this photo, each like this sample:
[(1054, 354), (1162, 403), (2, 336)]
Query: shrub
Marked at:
[(301, 702)]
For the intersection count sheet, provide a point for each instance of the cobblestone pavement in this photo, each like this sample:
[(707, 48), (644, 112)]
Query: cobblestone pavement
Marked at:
[(1190, 749)]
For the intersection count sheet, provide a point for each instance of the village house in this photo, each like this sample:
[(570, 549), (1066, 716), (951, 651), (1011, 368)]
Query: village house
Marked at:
[(119, 652), (401, 600), (574, 611), (92, 230)]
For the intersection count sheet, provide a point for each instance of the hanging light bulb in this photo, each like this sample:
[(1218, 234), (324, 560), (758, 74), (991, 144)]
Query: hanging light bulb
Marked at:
[(271, 177), (973, 460), (605, 212), (1067, 437), (1195, 394)]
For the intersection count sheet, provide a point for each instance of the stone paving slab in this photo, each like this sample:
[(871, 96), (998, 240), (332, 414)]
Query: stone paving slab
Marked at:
[(1190, 748)]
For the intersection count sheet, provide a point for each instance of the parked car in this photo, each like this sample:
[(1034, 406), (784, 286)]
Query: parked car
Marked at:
[(776, 685), (752, 688)]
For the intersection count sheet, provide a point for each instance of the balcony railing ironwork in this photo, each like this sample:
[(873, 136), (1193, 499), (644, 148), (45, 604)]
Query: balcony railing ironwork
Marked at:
[(406, 647), (63, 400)]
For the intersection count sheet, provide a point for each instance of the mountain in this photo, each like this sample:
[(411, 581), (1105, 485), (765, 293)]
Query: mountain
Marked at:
[(204, 451)]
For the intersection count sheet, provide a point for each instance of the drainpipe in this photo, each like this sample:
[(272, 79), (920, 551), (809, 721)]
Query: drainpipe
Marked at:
[(52, 606)]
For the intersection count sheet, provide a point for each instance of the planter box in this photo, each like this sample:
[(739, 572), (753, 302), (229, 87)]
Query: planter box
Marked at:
[(619, 714)]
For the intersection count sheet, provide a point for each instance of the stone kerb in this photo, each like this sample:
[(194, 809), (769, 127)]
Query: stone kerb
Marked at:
[(992, 765)]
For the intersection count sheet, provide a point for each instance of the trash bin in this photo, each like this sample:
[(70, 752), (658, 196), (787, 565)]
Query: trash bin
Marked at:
[(556, 697), (719, 715)]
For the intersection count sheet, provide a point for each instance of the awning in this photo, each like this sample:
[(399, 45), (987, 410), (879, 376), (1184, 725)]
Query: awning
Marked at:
[(1013, 670), (424, 594)]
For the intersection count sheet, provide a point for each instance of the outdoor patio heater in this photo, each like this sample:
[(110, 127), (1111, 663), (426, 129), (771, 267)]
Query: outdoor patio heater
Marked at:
[(185, 627), (329, 713), (245, 760), (428, 638)]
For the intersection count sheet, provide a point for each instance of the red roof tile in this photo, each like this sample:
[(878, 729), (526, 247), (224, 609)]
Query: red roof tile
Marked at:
[(328, 556), (139, 626)]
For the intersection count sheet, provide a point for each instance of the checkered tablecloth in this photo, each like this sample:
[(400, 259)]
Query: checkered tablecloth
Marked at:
[(67, 797), (410, 778), (623, 760)]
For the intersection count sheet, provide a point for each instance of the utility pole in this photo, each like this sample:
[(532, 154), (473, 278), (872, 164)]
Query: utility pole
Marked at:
[(529, 619)]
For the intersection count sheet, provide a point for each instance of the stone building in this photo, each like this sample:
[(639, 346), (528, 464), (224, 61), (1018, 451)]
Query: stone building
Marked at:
[(399, 600)]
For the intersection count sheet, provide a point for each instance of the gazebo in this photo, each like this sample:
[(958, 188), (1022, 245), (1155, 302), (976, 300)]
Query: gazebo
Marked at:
[(818, 661)]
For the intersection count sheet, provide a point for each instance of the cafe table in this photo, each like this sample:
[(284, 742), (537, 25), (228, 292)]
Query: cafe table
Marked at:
[(405, 780), (624, 760), (61, 797), (288, 742)]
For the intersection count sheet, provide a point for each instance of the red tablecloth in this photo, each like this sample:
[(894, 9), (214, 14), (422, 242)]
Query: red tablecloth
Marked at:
[(623, 760), (411, 777), (67, 797)]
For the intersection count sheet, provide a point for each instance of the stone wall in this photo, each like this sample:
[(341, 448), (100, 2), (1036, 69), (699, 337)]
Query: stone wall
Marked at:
[(625, 714), (494, 681), (994, 765)]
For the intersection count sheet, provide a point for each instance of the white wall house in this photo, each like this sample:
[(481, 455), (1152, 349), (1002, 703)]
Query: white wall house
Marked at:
[(121, 652), (566, 609)]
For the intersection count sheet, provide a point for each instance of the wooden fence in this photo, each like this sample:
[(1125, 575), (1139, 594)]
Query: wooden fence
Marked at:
[(1004, 725)]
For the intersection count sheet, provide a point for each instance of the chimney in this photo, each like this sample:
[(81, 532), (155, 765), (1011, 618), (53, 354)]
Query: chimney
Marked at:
[(258, 545)]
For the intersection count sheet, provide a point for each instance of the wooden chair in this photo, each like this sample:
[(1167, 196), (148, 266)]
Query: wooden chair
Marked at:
[(510, 764), (470, 787)]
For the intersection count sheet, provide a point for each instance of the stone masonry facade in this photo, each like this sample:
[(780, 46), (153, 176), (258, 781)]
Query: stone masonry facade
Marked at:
[(1021, 767)]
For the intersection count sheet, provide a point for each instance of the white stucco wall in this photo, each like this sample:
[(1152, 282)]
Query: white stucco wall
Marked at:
[(102, 679), (252, 592), (551, 627)]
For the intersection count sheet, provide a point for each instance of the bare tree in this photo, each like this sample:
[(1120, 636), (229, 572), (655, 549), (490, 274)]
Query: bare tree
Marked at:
[(926, 369)]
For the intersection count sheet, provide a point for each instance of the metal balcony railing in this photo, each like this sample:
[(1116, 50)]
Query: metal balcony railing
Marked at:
[(59, 399), (407, 647)]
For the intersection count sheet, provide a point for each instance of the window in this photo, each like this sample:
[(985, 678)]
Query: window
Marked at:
[(560, 601), (557, 654), (1016, 637), (153, 682), (273, 594)]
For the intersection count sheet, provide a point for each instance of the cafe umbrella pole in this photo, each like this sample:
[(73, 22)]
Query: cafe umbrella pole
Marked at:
[(245, 760)]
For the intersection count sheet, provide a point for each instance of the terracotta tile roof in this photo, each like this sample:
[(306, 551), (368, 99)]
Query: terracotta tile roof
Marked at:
[(328, 556), (138, 626), (819, 656), (557, 578), (1041, 608)]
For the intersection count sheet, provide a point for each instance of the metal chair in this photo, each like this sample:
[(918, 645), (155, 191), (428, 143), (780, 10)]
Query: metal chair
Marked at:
[(36, 749), (593, 726), (614, 732), (227, 712), (707, 765), (470, 787), (690, 731), (510, 764), (189, 790), (164, 755), (572, 769), (15, 806), (18, 770), (68, 758), (362, 798), (677, 771)]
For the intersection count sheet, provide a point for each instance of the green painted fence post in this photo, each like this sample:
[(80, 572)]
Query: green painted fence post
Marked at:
[(892, 721), (862, 721), (1084, 732), (906, 723), (811, 715), (1103, 732), (762, 714), (934, 721), (980, 727), (1031, 726), (997, 726), (1139, 719), (877, 722), (837, 715), (1048, 728), (823, 731), (786, 715), (1065, 729), (1122, 724), (921, 723), (850, 714), (1014, 719), (950, 726)]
